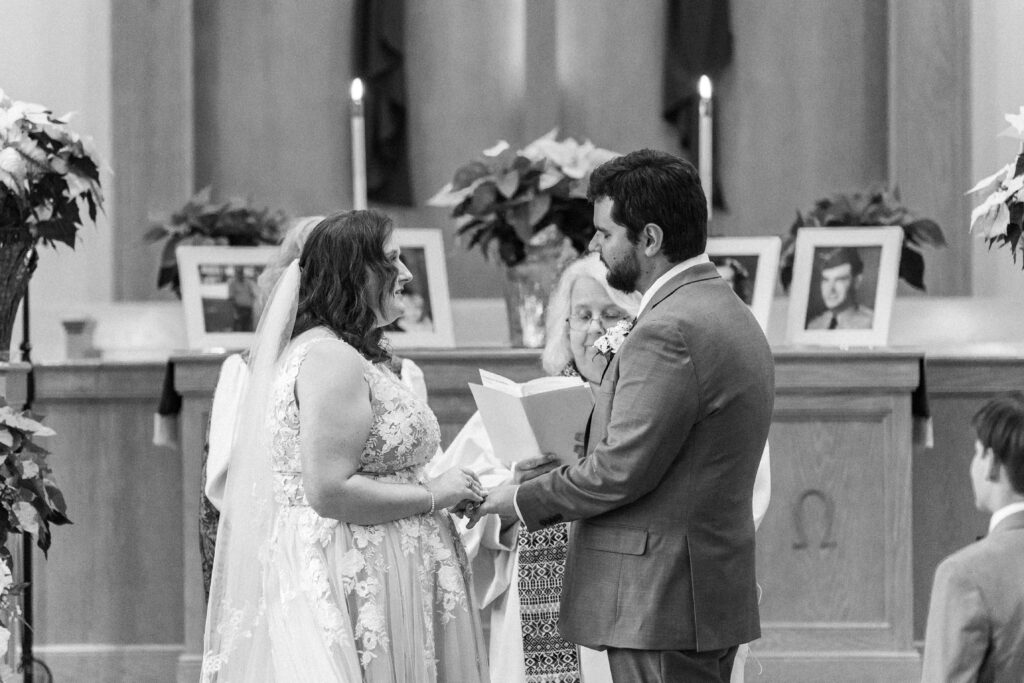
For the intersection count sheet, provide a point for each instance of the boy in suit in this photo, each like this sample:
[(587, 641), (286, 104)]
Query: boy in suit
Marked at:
[(976, 618)]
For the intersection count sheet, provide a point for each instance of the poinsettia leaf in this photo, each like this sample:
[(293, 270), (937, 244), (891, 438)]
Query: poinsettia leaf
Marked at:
[(508, 184), (912, 267), (926, 231), (519, 217), (539, 206), (57, 501), (483, 199), (57, 231)]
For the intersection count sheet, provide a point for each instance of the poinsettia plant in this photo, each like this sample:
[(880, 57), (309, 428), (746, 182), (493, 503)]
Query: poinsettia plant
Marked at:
[(30, 502), (999, 220), (506, 199), (202, 221), (46, 170), (877, 206)]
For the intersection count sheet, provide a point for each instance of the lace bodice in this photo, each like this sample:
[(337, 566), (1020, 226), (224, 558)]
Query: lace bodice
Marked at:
[(403, 437)]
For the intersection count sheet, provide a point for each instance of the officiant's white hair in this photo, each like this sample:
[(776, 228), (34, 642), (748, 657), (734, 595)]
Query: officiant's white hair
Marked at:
[(557, 354), (289, 250)]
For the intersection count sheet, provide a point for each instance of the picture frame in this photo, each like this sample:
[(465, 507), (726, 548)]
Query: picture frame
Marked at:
[(751, 266), (426, 297), (844, 284), (218, 292)]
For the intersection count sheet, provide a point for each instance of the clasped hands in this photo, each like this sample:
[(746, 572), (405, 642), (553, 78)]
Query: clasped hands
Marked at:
[(499, 499)]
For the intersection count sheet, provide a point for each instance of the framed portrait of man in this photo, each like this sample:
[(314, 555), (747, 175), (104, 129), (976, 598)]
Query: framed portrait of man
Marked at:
[(750, 265), (427, 320), (844, 283), (219, 293)]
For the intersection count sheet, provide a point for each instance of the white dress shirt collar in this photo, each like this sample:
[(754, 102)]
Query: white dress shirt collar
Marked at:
[(672, 272), (1004, 512)]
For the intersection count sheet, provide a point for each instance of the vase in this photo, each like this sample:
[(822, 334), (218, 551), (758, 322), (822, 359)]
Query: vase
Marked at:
[(528, 285), (17, 263)]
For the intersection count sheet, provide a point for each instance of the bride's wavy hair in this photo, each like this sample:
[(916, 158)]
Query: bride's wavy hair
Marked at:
[(346, 278)]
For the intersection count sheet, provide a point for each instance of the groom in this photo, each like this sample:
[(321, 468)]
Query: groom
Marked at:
[(661, 560)]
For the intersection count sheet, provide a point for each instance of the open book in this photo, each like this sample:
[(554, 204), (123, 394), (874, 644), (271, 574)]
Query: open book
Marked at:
[(540, 416)]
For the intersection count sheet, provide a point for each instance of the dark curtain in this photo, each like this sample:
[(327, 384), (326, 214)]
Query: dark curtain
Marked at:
[(698, 41), (380, 61)]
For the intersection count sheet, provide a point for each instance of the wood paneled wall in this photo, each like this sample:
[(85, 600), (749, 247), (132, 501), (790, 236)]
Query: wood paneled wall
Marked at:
[(804, 111), (151, 61), (108, 598), (930, 127)]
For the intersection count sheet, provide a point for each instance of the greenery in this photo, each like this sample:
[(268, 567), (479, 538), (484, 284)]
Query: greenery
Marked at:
[(873, 207), (46, 169), (1000, 218), (204, 222), (504, 200), (30, 500)]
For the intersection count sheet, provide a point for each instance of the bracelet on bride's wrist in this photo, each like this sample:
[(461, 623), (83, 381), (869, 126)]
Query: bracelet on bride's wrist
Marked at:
[(433, 503)]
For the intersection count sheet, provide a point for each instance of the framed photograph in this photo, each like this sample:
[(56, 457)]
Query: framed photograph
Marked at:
[(751, 266), (218, 290), (844, 283), (427, 321)]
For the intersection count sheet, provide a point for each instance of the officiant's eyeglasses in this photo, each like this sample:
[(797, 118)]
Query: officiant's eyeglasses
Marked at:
[(582, 320)]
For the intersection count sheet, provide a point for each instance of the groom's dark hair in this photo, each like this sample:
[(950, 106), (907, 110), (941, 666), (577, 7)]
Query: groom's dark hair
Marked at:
[(346, 278), (648, 186)]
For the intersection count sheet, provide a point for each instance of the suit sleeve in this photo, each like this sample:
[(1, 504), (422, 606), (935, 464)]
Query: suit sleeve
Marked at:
[(957, 635), (656, 403)]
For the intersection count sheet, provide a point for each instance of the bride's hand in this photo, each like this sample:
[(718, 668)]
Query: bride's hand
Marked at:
[(454, 486)]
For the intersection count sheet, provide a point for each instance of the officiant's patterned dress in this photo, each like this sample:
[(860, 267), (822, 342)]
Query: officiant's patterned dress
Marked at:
[(395, 593)]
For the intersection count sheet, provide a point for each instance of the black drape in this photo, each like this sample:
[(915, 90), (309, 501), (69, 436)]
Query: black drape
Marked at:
[(698, 41), (379, 59)]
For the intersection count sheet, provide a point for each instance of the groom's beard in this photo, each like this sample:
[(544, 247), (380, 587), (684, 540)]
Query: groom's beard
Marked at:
[(624, 275)]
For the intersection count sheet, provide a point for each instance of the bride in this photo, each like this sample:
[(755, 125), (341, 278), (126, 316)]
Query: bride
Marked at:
[(337, 559)]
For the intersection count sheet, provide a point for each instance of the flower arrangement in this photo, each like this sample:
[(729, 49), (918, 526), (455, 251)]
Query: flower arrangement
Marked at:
[(29, 500), (509, 199), (47, 173), (877, 206), (204, 222), (1000, 218), (45, 169)]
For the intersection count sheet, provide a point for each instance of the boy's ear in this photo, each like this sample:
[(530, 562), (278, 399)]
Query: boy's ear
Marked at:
[(993, 465)]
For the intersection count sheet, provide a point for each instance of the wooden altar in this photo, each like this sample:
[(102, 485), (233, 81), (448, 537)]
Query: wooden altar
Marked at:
[(845, 582), (839, 606)]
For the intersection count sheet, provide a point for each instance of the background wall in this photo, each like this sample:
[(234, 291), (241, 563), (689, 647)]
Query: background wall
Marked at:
[(997, 89), (254, 103)]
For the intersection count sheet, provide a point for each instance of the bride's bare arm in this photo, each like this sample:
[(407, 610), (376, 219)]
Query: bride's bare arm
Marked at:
[(334, 422)]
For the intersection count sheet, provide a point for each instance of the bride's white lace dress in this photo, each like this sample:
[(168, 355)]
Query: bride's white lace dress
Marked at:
[(389, 598)]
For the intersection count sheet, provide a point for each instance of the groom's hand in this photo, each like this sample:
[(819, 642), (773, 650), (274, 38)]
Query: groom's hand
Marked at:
[(498, 501), (531, 468)]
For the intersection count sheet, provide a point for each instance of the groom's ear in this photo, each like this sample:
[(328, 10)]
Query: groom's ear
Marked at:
[(652, 237)]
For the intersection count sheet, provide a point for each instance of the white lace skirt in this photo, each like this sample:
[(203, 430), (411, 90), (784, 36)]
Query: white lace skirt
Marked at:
[(388, 601)]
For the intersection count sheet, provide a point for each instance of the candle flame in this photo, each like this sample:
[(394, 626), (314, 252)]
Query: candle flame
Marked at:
[(704, 88), (356, 91)]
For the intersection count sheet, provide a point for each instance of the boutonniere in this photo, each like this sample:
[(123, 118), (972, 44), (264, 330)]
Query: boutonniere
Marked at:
[(608, 343)]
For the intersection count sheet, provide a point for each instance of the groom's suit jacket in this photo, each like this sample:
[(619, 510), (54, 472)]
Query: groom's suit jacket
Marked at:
[(975, 626), (663, 557)]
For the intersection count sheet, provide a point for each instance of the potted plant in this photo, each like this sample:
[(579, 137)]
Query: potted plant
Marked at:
[(47, 173), (200, 221), (874, 207), (30, 502), (528, 208), (1000, 218)]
